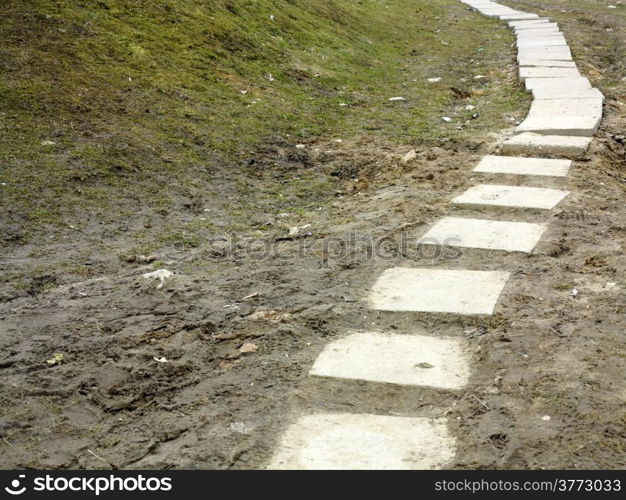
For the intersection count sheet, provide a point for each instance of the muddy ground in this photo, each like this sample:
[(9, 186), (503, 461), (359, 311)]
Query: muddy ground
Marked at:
[(206, 371)]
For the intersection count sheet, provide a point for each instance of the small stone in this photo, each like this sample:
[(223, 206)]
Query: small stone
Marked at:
[(248, 348), (411, 155)]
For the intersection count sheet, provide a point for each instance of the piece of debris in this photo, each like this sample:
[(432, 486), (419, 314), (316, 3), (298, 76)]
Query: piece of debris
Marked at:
[(574, 292), (470, 107), (297, 230), (161, 274), (141, 259), (248, 347), (411, 155), (480, 77), (252, 295), (241, 427), (424, 365), (446, 119), (270, 77), (48, 143), (162, 359), (546, 418), (56, 359), (434, 80), (271, 316), (300, 146), (394, 99)]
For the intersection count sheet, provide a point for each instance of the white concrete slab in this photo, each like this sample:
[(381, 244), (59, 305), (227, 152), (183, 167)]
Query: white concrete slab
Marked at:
[(535, 32), (511, 196), (555, 53), (532, 24), (518, 165), (518, 17), (567, 93), (546, 144), (347, 441), (485, 234), (412, 360), (437, 290), (558, 83), (525, 72), (546, 63), (554, 41), (563, 117)]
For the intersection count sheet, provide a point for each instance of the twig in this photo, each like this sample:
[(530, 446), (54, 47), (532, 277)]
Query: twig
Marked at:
[(99, 458), (481, 402)]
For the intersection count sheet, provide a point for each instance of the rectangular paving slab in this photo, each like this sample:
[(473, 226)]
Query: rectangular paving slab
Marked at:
[(567, 93), (411, 360), (485, 234), (543, 31), (563, 117), (525, 72), (557, 83), (437, 290), (556, 53), (530, 24), (518, 165), (518, 17), (511, 196), (546, 63), (346, 441), (555, 41), (560, 145)]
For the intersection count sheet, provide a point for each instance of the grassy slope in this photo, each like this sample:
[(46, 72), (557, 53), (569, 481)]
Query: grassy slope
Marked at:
[(145, 99)]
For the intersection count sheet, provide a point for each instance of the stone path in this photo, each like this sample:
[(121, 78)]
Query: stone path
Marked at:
[(565, 113)]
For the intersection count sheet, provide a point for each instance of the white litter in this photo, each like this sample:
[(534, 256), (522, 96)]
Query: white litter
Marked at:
[(161, 274), (393, 99)]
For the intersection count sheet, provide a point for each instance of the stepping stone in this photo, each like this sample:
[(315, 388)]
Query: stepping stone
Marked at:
[(560, 145), (523, 166), (412, 360), (542, 31), (437, 290), (563, 117), (542, 42), (557, 83), (547, 36), (364, 442), (511, 196), (485, 234), (567, 93), (525, 72), (546, 63), (556, 53), (532, 24), (518, 17)]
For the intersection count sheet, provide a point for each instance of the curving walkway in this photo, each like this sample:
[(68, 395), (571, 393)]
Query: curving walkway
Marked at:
[(564, 115)]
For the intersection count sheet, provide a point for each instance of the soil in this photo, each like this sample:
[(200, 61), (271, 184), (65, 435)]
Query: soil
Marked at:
[(207, 370)]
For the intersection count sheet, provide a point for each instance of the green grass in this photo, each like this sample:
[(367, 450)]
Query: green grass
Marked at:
[(144, 100)]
